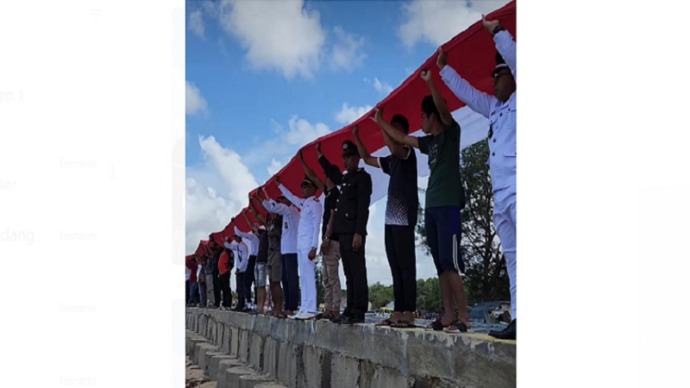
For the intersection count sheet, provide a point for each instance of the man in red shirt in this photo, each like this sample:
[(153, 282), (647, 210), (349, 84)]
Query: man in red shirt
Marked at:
[(225, 264)]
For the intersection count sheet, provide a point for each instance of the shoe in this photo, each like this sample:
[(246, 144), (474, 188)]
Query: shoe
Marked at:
[(351, 319), (509, 333), (304, 316), (339, 320)]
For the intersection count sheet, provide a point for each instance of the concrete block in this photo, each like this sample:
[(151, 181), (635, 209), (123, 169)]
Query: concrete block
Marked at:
[(344, 372), (205, 363), (213, 365), (310, 375), (243, 350), (256, 351), (274, 384), (223, 366), (199, 348), (252, 380), (232, 375), (204, 357), (234, 341), (190, 342), (270, 358), (287, 365)]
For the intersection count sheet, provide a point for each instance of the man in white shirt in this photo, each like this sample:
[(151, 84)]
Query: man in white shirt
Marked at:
[(501, 111), (241, 252), (288, 248), (251, 263), (307, 243)]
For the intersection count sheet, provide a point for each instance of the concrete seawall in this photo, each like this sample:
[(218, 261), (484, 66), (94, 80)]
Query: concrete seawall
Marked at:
[(323, 354)]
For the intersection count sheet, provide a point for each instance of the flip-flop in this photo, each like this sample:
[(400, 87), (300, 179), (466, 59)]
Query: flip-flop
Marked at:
[(385, 322), (403, 325), (435, 326), (456, 326)]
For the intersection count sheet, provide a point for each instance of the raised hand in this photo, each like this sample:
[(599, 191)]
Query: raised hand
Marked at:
[(378, 115), (318, 148), (426, 75), (489, 25), (441, 59), (355, 131)]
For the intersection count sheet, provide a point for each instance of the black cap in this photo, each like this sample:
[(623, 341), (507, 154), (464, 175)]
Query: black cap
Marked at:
[(349, 148), (307, 181), (500, 64)]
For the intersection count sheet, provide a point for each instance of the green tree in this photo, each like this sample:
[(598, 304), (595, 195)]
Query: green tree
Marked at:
[(380, 295)]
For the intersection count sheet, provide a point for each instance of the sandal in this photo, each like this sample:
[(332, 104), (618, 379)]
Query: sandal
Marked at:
[(386, 322), (435, 325), (403, 325), (456, 326)]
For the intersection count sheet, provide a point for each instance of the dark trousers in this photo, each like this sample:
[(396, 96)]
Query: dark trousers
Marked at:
[(290, 281), (216, 289), (224, 281), (249, 279), (400, 250), (241, 278), (355, 270), (202, 293), (186, 292), (194, 293)]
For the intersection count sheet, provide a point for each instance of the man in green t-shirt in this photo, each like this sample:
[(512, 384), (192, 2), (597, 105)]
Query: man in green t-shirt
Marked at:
[(443, 200)]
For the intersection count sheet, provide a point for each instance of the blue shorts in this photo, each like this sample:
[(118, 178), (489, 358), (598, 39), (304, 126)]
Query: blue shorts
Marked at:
[(443, 230)]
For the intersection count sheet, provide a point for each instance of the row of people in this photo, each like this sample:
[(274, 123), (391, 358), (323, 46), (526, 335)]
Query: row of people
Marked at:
[(343, 218)]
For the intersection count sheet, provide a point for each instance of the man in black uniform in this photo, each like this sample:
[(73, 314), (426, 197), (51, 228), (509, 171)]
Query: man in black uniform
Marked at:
[(215, 255), (349, 222)]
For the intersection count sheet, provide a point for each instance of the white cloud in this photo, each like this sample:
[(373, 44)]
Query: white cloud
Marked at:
[(195, 101), (302, 131), (196, 23), (382, 88), (274, 167), (346, 52), (349, 114), (284, 144), (278, 35), (437, 21), (215, 191)]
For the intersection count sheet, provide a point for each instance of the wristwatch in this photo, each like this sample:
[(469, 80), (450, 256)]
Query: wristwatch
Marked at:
[(497, 29)]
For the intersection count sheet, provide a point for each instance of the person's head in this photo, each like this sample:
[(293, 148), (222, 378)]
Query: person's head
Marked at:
[(400, 123), (238, 239), (350, 156), (308, 188), (430, 115), (282, 199), (504, 83)]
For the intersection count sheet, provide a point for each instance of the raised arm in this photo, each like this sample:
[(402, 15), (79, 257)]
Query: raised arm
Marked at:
[(250, 223), (392, 132), (363, 153), (505, 44), (310, 173), (274, 207), (256, 213), (297, 201), (249, 236), (478, 101), (332, 172), (398, 150), (440, 103)]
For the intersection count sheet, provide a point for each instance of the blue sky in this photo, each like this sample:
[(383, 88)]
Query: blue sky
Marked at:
[(266, 77)]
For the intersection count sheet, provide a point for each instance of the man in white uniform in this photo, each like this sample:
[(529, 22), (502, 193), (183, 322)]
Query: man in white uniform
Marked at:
[(307, 243), (500, 109), (288, 248), (253, 252), (241, 252)]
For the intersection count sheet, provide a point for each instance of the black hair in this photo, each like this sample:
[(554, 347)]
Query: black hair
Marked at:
[(400, 119), (428, 107)]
